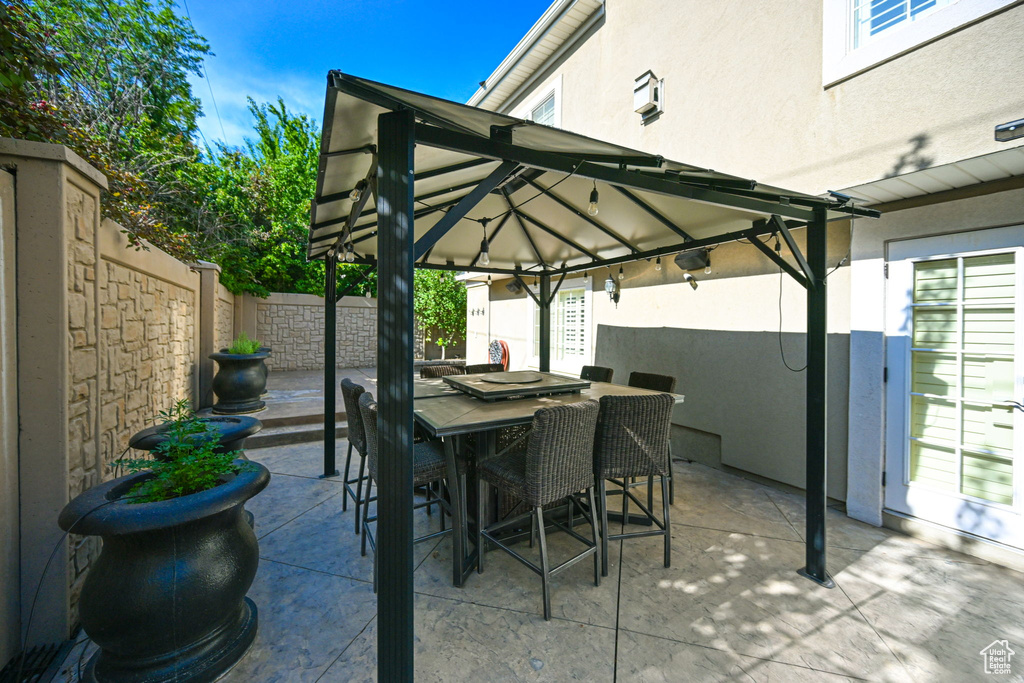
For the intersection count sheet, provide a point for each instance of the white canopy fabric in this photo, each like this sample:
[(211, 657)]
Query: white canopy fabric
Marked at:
[(550, 227)]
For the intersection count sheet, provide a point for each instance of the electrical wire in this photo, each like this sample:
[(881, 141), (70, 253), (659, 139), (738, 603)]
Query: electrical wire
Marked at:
[(208, 85), (782, 351)]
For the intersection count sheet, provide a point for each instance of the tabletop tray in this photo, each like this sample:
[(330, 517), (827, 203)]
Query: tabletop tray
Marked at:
[(479, 387)]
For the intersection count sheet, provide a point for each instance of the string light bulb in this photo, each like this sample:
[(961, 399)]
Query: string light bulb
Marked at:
[(622, 276), (356, 192), (657, 263), (350, 256), (485, 248), (592, 207)]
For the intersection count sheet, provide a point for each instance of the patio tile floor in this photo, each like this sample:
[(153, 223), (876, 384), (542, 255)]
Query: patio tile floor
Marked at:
[(731, 607)]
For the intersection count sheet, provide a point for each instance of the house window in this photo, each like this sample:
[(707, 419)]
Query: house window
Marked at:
[(545, 111), (872, 17), (571, 343), (861, 34)]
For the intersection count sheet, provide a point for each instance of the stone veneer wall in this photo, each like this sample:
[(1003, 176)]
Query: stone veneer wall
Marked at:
[(137, 356), (293, 326), (224, 318)]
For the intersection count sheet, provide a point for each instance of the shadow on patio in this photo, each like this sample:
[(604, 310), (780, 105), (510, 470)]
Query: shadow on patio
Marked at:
[(731, 607)]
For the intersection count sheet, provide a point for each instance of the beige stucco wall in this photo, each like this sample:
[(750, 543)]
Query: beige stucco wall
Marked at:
[(293, 326), (744, 92), (224, 313)]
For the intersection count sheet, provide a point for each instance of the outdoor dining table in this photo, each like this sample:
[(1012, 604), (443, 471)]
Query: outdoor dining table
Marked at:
[(450, 414)]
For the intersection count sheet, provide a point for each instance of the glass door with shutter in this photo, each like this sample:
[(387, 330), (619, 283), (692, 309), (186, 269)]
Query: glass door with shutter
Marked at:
[(571, 346), (955, 377)]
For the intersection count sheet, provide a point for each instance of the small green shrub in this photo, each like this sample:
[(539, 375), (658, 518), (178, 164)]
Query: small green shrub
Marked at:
[(243, 345), (187, 464)]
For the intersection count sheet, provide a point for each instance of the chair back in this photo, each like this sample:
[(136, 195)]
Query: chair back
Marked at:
[(647, 380), (350, 392), (559, 455), (429, 371), (632, 436), (368, 412), (484, 367), (596, 373)]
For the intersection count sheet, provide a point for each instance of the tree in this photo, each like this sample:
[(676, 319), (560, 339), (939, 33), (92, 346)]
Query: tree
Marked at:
[(440, 303)]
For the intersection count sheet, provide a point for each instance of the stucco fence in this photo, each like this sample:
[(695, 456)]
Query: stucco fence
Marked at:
[(97, 338)]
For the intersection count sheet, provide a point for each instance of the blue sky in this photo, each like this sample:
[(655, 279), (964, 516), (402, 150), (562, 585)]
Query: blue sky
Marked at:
[(284, 48)]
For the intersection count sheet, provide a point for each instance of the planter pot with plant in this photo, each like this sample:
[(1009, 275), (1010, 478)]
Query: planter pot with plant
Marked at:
[(165, 599), (241, 377), (229, 432)]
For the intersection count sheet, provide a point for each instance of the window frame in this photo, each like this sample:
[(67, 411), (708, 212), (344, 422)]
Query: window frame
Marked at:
[(551, 89), (841, 61)]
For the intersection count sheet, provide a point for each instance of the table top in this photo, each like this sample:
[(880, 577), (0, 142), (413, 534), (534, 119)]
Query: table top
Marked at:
[(493, 386), (431, 388), (459, 413)]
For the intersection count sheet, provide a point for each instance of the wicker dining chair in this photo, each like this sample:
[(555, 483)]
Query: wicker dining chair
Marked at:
[(596, 373), (484, 367), (667, 384), (430, 371), (429, 467), (632, 441), (556, 463), (350, 392)]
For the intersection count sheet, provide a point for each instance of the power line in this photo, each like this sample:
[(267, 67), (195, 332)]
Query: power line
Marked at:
[(208, 85)]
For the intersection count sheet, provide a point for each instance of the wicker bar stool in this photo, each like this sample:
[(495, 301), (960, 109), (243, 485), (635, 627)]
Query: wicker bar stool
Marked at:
[(557, 463), (484, 367), (667, 384), (632, 441), (431, 371), (428, 468), (596, 373), (350, 392)]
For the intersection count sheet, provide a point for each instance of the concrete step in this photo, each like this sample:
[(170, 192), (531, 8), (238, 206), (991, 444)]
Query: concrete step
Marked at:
[(282, 435), (309, 418)]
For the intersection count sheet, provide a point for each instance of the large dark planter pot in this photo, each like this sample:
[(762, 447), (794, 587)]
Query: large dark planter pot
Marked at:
[(165, 599), (239, 381), (231, 433), (266, 370)]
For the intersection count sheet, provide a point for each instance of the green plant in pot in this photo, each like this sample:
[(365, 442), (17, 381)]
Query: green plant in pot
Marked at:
[(166, 598), (241, 377)]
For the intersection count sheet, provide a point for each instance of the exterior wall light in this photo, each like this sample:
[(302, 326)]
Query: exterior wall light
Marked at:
[(612, 288), (1010, 131), (648, 95), (690, 280)]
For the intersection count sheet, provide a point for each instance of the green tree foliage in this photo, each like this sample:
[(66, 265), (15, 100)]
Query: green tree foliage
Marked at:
[(440, 303), (118, 94), (109, 78)]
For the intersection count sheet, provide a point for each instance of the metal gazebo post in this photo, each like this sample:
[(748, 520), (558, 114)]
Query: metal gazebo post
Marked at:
[(545, 322), (330, 361), (817, 398), (395, 140)]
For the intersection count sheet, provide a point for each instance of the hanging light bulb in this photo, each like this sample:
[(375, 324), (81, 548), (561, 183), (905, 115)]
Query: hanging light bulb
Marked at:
[(592, 208), (488, 280), (356, 192), (485, 247), (657, 263), (622, 276), (350, 256), (585, 276), (707, 268)]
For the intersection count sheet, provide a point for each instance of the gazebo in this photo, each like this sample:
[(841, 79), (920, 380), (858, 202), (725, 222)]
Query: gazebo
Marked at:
[(409, 181)]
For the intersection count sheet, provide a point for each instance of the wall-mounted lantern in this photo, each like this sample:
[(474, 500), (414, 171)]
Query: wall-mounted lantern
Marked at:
[(648, 95)]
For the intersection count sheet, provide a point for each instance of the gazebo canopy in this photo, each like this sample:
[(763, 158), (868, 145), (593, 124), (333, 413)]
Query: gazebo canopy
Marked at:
[(407, 180), (527, 187)]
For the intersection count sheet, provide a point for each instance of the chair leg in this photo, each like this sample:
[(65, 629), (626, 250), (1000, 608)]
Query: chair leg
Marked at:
[(668, 523), (366, 517), (626, 485), (602, 494), (359, 488), (481, 492), (545, 577), (440, 496), (593, 529), (345, 493), (671, 478), (650, 493)]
